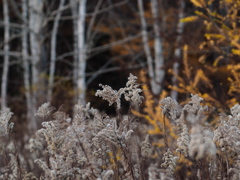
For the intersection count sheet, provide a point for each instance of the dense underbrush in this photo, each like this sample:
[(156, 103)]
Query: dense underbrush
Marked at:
[(170, 141)]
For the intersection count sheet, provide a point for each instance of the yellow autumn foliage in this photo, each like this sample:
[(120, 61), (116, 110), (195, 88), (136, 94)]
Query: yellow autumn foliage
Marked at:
[(152, 113), (189, 19)]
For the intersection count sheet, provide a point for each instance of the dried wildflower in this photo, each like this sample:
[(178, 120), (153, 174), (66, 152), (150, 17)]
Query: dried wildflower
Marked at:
[(201, 143), (196, 146), (106, 174), (131, 93), (14, 166), (183, 141), (235, 170), (235, 111), (194, 105), (145, 149), (35, 144), (210, 147), (13, 169), (169, 107), (118, 136), (153, 172), (60, 116), (194, 109), (64, 148), (45, 168), (5, 125), (170, 162), (227, 134), (82, 112), (136, 171), (110, 95), (132, 90), (29, 176), (44, 110)]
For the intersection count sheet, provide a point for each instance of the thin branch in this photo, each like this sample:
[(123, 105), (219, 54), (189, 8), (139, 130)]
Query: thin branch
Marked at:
[(115, 43), (103, 10), (90, 26), (53, 51), (112, 69), (13, 37)]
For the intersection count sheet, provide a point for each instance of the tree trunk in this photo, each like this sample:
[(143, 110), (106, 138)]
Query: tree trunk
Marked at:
[(159, 59), (81, 65), (6, 56), (177, 52), (53, 51), (26, 70), (35, 24), (75, 46), (153, 84)]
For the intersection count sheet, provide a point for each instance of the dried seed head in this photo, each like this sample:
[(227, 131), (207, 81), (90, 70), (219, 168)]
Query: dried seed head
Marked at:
[(169, 107), (44, 110)]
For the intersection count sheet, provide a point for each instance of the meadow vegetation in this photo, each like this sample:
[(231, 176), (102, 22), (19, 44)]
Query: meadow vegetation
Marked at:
[(153, 141), (149, 135)]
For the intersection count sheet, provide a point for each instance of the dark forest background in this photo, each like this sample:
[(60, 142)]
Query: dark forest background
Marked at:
[(59, 51)]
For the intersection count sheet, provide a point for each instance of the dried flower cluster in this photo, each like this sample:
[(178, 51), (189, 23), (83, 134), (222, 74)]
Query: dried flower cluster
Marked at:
[(131, 93), (169, 107), (44, 110), (92, 145), (170, 162), (5, 124), (146, 147), (183, 142)]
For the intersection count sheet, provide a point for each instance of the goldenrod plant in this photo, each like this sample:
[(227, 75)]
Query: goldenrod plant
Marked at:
[(92, 145)]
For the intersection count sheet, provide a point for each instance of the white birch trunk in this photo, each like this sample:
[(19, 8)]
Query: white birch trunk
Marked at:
[(146, 47), (158, 49), (81, 66), (53, 51), (26, 71), (35, 23), (6, 56), (177, 52), (75, 46), (35, 26)]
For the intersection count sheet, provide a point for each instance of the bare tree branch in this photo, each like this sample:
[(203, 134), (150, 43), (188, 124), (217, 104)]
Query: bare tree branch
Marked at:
[(6, 56), (53, 51)]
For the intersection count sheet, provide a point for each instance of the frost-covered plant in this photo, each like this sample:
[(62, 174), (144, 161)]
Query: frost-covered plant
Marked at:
[(235, 111), (118, 136), (131, 93), (44, 110), (84, 147), (227, 139), (146, 147), (92, 145), (132, 90), (15, 166), (169, 107), (155, 173), (235, 170), (169, 162), (183, 142), (201, 143), (11, 171), (5, 124), (194, 109), (67, 146), (227, 134), (110, 95)]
